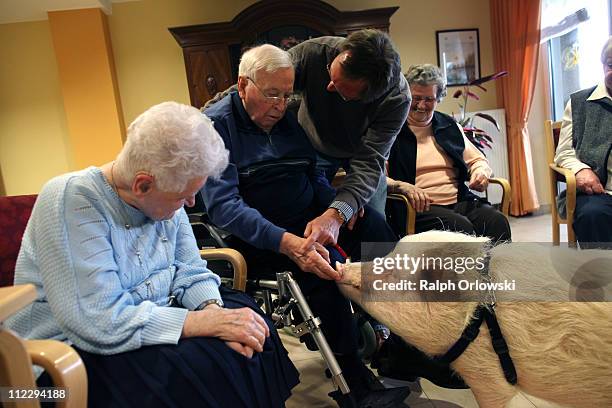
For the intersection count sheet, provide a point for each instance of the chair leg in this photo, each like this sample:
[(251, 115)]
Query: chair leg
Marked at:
[(571, 236), (555, 232)]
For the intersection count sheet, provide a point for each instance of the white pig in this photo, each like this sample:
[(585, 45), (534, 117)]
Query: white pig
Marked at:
[(562, 350)]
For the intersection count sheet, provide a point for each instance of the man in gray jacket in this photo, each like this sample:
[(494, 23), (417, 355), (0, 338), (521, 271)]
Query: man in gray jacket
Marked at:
[(354, 102)]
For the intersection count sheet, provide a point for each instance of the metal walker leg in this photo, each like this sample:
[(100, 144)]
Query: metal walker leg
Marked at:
[(291, 295)]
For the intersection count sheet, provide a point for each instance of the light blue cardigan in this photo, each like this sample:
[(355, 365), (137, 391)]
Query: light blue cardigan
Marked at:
[(104, 272)]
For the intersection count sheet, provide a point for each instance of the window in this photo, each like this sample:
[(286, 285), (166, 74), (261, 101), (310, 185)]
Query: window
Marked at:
[(575, 31)]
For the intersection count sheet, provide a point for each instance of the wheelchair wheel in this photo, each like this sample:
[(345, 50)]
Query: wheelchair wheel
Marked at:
[(367, 339)]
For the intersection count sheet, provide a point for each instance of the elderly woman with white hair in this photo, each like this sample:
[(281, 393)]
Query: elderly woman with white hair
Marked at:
[(119, 276), (430, 162)]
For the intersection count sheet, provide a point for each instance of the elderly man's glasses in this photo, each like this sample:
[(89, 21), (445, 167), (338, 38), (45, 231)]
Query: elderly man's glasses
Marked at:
[(274, 100)]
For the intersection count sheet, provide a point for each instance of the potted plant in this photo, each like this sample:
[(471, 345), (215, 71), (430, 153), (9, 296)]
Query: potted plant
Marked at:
[(478, 137)]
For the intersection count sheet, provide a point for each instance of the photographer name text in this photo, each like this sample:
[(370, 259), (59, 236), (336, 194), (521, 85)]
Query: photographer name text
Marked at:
[(443, 286)]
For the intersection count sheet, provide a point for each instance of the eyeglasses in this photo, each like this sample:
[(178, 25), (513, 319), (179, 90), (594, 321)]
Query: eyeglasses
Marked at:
[(274, 100), (427, 99)]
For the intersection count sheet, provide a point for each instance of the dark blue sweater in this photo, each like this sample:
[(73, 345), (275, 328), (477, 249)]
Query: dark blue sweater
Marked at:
[(270, 185)]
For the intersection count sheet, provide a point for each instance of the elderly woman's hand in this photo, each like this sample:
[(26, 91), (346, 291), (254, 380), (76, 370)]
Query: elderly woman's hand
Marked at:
[(479, 181), (418, 198), (242, 326), (240, 348)]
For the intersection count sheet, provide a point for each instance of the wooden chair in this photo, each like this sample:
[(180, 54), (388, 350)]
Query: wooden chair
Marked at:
[(17, 355), (559, 175), (235, 258)]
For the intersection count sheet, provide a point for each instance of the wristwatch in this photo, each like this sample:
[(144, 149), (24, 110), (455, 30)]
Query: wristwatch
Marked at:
[(344, 210), (339, 215), (205, 303)]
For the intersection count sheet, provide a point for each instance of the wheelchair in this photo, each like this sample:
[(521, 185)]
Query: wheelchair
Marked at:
[(279, 296)]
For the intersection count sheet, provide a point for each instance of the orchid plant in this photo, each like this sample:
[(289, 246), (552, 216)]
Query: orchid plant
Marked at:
[(477, 136)]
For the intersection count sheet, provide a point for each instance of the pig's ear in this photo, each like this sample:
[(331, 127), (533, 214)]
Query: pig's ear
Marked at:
[(443, 236)]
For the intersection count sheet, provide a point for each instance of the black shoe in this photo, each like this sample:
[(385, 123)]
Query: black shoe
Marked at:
[(397, 359), (368, 379), (366, 390), (385, 398)]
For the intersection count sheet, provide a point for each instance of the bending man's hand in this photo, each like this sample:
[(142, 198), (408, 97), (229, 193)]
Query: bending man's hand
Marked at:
[(324, 229), (588, 182), (314, 260)]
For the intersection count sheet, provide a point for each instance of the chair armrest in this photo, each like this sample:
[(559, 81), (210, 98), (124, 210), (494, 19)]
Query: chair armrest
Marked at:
[(410, 212), (17, 355), (506, 193), (232, 256), (64, 366), (570, 194), (15, 298)]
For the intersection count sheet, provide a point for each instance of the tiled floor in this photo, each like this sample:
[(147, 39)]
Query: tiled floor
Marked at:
[(314, 386)]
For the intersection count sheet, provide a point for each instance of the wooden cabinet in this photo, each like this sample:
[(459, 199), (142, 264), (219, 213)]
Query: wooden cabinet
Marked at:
[(208, 71), (212, 51)]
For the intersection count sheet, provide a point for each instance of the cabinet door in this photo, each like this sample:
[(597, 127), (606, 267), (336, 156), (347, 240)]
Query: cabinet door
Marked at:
[(208, 72)]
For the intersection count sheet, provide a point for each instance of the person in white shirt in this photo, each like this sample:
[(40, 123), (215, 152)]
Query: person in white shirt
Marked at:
[(584, 148)]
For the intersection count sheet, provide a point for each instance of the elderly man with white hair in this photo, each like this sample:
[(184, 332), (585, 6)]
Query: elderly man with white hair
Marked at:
[(119, 276), (584, 148), (269, 192)]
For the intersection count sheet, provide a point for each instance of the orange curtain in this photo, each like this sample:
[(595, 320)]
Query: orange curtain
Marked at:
[(515, 29)]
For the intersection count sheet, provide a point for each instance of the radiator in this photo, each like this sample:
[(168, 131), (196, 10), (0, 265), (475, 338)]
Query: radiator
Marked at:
[(498, 155)]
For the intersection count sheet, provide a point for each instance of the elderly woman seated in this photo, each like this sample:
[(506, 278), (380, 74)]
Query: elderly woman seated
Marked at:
[(119, 276), (430, 161)]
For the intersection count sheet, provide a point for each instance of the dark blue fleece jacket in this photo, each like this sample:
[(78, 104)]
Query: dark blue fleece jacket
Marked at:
[(271, 184)]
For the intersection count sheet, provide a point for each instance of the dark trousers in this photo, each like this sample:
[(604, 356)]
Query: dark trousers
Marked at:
[(196, 372), (323, 296), (471, 217), (593, 220)]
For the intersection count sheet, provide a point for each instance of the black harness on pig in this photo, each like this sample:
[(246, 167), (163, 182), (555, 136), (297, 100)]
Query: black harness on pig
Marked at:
[(485, 311)]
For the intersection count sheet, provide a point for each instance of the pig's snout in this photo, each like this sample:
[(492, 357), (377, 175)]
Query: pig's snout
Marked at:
[(350, 273)]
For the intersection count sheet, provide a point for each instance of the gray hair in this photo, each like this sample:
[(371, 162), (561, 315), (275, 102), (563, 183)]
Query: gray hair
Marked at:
[(174, 143), (427, 74), (266, 57), (607, 50)]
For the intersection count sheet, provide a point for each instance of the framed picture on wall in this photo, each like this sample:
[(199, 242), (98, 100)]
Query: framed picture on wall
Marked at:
[(459, 55)]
